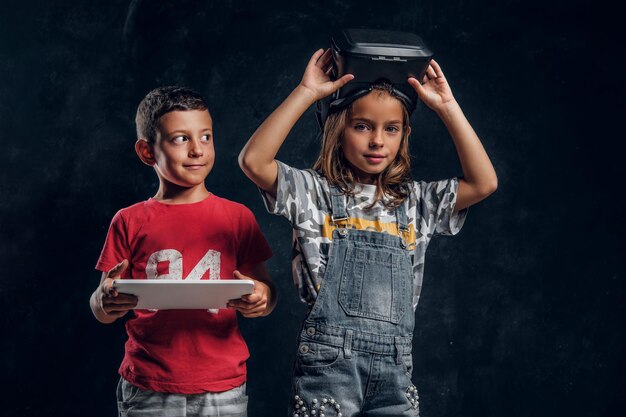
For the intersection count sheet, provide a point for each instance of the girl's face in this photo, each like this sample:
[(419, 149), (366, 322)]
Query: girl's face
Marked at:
[(373, 134)]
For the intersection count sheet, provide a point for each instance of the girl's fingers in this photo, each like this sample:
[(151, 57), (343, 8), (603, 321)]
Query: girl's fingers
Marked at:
[(325, 62), (322, 59), (342, 81), (415, 84), (327, 68), (436, 67), (326, 56), (431, 72), (315, 57)]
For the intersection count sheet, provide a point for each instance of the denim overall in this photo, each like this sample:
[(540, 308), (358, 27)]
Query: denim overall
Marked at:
[(354, 350)]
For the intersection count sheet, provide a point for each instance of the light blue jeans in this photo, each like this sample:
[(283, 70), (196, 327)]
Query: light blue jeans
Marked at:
[(136, 402)]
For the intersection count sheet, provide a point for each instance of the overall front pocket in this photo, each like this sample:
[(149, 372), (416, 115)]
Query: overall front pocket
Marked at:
[(317, 355), (375, 284)]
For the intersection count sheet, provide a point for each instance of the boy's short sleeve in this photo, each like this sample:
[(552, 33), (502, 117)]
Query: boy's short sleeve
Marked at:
[(116, 247), (436, 201), (296, 193), (253, 247)]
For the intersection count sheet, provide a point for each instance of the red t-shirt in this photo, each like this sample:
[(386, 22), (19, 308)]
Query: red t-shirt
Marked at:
[(184, 351)]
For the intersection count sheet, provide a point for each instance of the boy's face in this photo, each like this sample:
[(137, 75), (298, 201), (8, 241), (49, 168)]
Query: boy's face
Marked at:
[(183, 150)]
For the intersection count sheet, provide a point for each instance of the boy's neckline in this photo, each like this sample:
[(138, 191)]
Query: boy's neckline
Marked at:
[(171, 203)]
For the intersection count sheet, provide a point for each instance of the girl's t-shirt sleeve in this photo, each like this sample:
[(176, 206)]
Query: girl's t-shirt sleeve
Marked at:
[(436, 201), (297, 194), (116, 246)]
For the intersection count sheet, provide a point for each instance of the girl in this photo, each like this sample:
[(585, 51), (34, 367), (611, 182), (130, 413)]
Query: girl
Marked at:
[(361, 227)]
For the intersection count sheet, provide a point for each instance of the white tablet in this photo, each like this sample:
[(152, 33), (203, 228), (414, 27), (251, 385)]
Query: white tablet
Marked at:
[(166, 294)]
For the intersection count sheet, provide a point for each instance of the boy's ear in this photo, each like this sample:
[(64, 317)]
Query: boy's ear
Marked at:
[(145, 152)]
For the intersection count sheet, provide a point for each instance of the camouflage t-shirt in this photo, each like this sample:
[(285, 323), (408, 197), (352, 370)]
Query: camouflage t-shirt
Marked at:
[(303, 197)]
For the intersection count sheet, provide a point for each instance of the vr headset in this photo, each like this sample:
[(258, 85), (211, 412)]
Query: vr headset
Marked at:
[(374, 55)]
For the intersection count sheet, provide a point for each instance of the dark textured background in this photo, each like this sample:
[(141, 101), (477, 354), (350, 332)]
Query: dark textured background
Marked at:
[(522, 314)]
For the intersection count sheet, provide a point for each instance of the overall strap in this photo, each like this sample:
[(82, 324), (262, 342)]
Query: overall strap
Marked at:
[(402, 218), (403, 227), (338, 204)]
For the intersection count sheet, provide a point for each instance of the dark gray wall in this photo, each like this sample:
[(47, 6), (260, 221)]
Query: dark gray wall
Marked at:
[(522, 314)]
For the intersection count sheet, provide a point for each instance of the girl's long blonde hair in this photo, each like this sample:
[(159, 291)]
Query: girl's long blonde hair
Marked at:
[(393, 184)]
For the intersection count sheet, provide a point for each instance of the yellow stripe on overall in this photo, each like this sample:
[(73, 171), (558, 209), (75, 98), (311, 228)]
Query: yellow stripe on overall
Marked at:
[(372, 225)]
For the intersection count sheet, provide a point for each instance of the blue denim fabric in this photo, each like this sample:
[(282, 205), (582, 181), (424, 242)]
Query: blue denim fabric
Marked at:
[(354, 350)]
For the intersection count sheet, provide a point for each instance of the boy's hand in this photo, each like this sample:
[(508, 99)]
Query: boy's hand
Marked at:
[(434, 90), (112, 303), (316, 80), (255, 304)]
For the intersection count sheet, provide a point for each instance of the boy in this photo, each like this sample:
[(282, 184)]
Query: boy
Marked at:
[(182, 362)]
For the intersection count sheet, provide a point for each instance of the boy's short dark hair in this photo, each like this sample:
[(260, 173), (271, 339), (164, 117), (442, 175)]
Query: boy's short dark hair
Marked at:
[(163, 100)]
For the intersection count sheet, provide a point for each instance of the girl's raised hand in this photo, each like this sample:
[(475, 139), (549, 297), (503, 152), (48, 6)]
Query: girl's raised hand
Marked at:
[(434, 89), (316, 78)]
